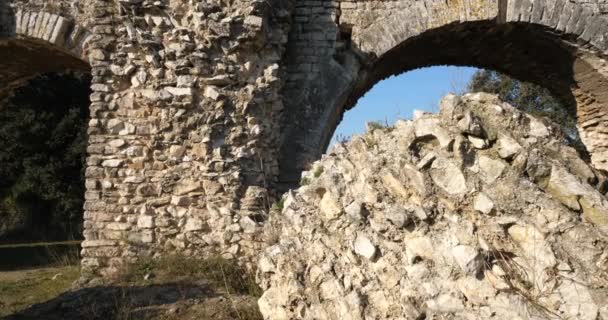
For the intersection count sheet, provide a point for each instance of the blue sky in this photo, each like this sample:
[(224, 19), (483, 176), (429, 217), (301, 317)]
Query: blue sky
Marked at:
[(397, 97)]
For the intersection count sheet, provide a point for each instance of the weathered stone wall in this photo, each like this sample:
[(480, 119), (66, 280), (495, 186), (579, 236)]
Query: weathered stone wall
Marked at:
[(339, 49), (184, 126), (203, 111), (184, 130)]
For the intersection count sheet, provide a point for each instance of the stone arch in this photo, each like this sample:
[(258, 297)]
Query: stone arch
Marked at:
[(555, 43), (35, 42)]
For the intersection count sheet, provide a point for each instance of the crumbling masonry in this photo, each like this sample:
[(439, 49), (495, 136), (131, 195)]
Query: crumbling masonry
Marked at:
[(203, 111)]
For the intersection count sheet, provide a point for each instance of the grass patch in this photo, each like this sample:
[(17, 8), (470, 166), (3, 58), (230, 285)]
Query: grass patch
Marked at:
[(318, 172), (21, 289), (305, 181), (219, 272), (279, 205), (171, 287), (376, 125), (236, 289)]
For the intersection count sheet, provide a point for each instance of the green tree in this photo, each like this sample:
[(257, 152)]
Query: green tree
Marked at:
[(43, 142), (530, 98)]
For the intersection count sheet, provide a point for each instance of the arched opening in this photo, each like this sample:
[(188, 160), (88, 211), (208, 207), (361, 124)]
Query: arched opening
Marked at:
[(44, 112), (572, 70), (390, 100), (23, 59)]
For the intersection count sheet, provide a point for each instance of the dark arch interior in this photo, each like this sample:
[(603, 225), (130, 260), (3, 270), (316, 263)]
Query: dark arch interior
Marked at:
[(23, 59), (43, 140)]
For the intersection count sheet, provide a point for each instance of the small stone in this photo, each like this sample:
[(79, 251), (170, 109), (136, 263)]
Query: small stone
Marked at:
[(98, 243), (219, 80), (448, 104), (364, 247), (426, 161), (145, 222), (181, 201), (483, 203), (491, 169), (420, 247), (420, 213), (100, 87), (179, 92), (398, 217), (355, 211), (115, 126), (478, 143), (193, 224), (186, 186), (415, 178), (117, 143), (477, 291), (254, 21), (471, 125), (432, 128), (445, 303), (185, 81), (534, 245), (537, 128), (113, 163), (468, 258), (448, 176), (566, 187), (212, 93), (417, 271), (394, 186), (330, 207), (508, 147), (249, 226), (177, 151)]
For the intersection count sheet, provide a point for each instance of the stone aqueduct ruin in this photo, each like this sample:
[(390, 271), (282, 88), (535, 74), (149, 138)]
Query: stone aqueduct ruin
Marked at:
[(204, 111)]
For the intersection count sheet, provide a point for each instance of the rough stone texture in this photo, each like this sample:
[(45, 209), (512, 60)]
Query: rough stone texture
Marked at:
[(184, 117), (204, 111), (528, 243), (340, 49)]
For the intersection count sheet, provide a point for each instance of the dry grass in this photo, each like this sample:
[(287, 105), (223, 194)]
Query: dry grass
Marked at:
[(173, 287), (20, 289), (233, 292)]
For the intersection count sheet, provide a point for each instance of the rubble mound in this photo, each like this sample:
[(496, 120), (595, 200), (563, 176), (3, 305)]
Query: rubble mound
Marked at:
[(478, 212)]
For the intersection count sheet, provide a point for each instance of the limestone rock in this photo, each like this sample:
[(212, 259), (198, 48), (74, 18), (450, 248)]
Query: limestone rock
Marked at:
[(483, 203), (364, 247), (478, 143), (448, 176), (468, 258), (442, 231), (491, 169), (329, 206), (508, 147)]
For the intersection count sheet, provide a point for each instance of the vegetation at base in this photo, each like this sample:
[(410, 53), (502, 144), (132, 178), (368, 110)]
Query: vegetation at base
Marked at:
[(220, 272), (318, 172), (279, 204), (224, 276), (168, 288), (43, 140), (20, 289), (530, 98)]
